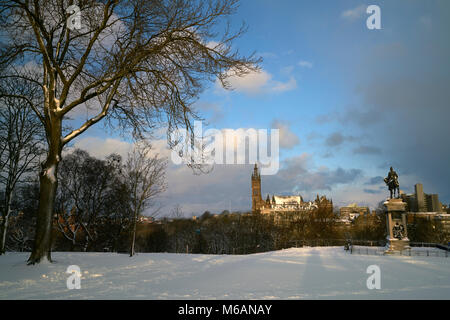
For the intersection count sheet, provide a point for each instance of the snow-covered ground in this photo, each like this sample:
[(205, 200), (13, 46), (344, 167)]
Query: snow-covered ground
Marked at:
[(303, 273)]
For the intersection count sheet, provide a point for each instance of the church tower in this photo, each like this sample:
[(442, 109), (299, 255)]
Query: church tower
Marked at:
[(256, 190)]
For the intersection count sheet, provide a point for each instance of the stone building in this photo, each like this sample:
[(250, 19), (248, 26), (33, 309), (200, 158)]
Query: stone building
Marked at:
[(352, 211), (278, 203), (257, 201)]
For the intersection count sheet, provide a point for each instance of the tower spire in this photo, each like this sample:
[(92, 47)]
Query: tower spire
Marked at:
[(257, 201)]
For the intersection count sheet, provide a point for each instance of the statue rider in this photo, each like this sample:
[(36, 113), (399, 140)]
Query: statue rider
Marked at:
[(392, 175), (392, 182)]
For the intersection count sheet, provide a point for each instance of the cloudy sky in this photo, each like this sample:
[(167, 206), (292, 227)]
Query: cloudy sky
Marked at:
[(349, 103)]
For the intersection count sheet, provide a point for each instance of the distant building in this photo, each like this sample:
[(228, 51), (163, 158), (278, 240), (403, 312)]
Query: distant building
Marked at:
[(422, 202), (442, 218), (146, 219), (427, 206), (446, 208), (278, 203), (353, 211), (257, 201)]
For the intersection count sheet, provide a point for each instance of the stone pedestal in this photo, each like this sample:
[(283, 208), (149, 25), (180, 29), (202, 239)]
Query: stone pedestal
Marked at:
[(397, 233)]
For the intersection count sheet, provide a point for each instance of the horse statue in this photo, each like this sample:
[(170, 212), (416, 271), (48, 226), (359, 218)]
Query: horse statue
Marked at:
[(392, 182)]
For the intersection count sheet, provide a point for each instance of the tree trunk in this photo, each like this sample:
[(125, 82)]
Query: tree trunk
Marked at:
[(3, 228), (47, 193), (134, 236), (4, 224)]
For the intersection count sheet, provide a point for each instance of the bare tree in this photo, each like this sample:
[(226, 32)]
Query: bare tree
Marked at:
[(145, 175), (20, 145), (177, 212), (131, 62), (84, 195)]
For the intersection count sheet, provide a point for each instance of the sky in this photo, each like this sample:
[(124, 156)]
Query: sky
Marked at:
[(349, 103)]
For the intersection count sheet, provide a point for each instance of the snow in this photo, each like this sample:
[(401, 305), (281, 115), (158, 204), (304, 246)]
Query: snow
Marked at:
[(296, 273), (280, 200), (57, 104), (50, 173)]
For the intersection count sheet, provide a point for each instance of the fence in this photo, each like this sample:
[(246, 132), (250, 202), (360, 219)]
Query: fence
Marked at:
[(336, 242), (430, 245), (377, 247), (366, 250), (408, 252)]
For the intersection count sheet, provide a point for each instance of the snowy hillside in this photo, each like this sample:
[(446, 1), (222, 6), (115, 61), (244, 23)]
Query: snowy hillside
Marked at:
[(303, 273)]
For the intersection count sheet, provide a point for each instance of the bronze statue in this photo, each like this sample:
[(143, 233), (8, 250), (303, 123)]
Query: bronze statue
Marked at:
[(392, 182), (398, 231)]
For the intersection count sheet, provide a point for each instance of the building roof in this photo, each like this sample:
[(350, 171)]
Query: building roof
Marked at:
[(287, 199)]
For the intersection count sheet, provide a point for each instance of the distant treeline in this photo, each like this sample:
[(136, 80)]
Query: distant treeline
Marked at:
[(226, 233)]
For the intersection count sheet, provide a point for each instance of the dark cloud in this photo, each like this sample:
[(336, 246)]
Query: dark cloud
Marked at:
[(351, 115), (229, 186), (360, 117), (415, 131), (327, 155), (374, 181), (402, 83), (398, 167), (371, 191), (297, 175), (325, 118), (334, 139)]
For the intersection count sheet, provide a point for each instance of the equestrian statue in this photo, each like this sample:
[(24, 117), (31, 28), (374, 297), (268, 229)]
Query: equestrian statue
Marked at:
[(392, 182)]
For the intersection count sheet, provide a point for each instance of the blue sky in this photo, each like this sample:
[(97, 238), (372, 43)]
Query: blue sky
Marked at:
[(350, 101)]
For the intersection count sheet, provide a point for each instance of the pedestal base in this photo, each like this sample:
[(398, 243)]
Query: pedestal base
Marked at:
[(396, 222), (396, 245)]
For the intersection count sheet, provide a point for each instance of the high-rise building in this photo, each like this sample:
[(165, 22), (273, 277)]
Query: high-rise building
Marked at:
[(422, 202)]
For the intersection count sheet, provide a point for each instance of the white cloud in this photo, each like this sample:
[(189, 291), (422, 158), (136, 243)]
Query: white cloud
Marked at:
[(101, 148), (223, 188), (287, 70), (288, 139), (305, 64), (257, 83), (251, 83), (215, 45), (284, 86), (355, 13)]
